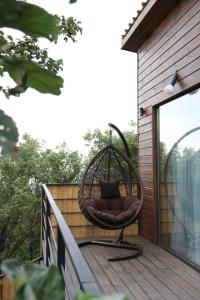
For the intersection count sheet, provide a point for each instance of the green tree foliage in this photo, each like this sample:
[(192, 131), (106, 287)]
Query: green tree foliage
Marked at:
[(23, 59), (163, 156), (97, 139), (27, 49), (8, 133), (174, 161), (20, 180)]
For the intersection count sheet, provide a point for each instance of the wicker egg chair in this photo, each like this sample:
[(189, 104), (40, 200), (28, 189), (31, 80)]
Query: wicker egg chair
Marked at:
[(111, 195)]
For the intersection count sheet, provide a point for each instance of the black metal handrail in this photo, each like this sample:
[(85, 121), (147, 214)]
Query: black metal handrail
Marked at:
[(65, 242)]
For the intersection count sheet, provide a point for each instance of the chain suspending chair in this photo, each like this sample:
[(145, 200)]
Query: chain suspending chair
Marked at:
[(111, 195)]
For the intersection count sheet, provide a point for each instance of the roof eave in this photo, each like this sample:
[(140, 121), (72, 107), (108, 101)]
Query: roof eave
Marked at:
[(149, 18)]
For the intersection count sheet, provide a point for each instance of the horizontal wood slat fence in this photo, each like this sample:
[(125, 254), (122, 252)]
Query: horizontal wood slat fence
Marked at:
[(7, 289)]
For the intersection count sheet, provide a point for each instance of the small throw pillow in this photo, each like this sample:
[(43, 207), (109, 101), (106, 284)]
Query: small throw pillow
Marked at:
[(109, 189)]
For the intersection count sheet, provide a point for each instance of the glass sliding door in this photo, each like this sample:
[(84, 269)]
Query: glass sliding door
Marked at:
[(179, 176)]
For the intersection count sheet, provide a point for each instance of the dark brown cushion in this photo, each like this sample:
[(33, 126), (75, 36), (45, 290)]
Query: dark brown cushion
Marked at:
[(109, 189), (115, 211)]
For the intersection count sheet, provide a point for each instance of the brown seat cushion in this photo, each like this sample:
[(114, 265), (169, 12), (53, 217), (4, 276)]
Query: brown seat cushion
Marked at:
[(114, 211)]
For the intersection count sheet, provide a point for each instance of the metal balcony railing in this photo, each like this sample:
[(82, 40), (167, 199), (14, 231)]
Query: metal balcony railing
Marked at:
[(60, 248)]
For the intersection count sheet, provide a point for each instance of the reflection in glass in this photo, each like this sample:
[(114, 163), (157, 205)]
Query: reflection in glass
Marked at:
[(180, 181)]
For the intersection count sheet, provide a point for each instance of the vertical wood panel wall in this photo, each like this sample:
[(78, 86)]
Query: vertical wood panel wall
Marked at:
[(173, 45), (7, 289), (66, 198)]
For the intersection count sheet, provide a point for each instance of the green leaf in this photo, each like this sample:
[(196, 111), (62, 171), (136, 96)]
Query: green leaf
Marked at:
[(53, 287), (16, 69), (11, 268), (29, 74), (3, 44), (83, 296), (35, 282), (9, 9), (42, 283), (25, 293), (29, 18), (8, 133)]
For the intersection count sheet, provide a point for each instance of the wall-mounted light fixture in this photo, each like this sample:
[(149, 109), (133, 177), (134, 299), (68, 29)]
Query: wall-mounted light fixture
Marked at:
[(142, 112), (170, 87)]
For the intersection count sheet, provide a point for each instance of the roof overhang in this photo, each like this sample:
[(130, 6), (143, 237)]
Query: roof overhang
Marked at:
[(148, 19)]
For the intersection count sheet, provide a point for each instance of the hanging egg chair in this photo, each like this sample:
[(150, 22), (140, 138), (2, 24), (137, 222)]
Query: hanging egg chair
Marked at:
[(111, 194)]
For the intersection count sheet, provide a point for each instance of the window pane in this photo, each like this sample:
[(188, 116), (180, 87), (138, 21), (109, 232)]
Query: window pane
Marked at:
[(180, 176)]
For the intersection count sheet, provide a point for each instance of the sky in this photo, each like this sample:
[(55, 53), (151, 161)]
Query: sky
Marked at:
[(181, 114), (100, 79)]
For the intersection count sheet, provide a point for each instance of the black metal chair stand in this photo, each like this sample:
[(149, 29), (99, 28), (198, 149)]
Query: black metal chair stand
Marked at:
[(118, 243)]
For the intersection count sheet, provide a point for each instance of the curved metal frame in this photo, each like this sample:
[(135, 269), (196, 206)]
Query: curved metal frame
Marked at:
[(119, 242), (122, 138), (176, 143)]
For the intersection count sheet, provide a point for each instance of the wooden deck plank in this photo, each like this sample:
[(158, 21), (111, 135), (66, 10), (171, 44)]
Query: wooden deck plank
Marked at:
[(111, 273), (182, 272), (168, 281), (150, 279), (138, 277), (154, 280), (180, 268), (114, 272), (155, 275), (106, 284), (191, 290), (134, 288)]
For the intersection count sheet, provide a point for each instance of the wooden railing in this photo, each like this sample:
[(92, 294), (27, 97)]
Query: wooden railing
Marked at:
[(60, 248)]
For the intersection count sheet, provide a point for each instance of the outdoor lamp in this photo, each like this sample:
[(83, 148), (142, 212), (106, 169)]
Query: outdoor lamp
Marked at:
[(170, 87), (142, 112)]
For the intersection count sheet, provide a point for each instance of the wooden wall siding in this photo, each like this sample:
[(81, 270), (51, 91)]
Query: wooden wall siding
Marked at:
[(66, 197), (174, 45), (181, 51), (177, 17)]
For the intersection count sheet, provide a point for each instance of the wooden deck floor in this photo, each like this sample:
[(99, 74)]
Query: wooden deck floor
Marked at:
[(154, 275)]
